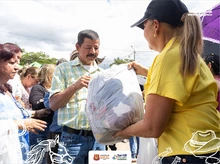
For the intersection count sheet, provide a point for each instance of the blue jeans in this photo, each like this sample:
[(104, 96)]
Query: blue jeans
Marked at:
[(78, 146), (134, 147), (24, 141), (35, 139)]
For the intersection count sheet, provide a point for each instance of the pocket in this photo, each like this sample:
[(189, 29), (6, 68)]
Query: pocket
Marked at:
[(68, 139)]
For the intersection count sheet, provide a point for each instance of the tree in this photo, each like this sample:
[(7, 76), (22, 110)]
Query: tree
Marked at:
[(119, 61), (40, 57)]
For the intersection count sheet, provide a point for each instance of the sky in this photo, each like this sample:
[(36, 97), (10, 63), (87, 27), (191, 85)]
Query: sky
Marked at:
[(51, 26)]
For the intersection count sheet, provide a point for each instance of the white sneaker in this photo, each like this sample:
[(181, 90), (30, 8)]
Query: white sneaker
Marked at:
[(133, 160), (124, 141)]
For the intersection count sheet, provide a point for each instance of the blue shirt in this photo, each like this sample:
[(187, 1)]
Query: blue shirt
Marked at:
[(54, 127), (9, 110)]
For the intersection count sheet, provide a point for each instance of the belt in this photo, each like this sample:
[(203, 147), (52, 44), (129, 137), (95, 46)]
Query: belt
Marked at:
[(76, 131)]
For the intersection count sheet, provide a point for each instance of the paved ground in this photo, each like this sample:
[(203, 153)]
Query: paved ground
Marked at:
[(123, 147)]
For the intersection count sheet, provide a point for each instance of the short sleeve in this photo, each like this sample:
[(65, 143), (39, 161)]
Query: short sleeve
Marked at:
[(165, 78), (58, 81)]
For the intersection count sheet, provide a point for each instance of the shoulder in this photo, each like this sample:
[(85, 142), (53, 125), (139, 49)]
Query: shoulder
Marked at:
[(37, 86)]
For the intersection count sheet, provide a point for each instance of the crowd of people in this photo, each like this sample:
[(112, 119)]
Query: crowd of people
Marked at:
[(181, 94)]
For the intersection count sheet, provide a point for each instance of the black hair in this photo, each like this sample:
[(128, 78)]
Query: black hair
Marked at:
[(7, 51), (61, 60), (87, 34), (213, 59)]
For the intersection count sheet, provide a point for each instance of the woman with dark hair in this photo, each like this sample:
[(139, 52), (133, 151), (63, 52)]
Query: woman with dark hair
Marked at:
[(10, 108), (212, 60)]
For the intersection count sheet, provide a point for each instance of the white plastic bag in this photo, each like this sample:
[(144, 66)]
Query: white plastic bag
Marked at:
[(147, 151), (10, 148), (114, 102)]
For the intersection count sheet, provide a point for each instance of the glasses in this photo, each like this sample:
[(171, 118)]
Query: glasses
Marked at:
[(23, 111)]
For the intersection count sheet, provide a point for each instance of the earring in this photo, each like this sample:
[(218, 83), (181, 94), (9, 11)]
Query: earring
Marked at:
[(155, 35)]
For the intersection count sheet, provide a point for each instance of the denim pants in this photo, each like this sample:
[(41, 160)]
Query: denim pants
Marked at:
[(24, 141), (134, 146), (78, 146), (35, 139)]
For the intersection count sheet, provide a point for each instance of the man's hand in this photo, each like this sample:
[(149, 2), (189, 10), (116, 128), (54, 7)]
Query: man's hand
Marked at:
[(82, 82)]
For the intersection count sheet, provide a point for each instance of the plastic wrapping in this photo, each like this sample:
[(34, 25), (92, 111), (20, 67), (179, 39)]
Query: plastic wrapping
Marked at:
[(10, 147), (114, 102)]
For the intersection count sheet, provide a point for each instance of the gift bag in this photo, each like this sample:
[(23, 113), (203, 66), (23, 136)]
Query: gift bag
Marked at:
[(114, 102)]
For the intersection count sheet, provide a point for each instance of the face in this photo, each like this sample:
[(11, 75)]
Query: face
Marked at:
[(30, 80), (8, 69), (19, 55), (88, 51), (149, 34)]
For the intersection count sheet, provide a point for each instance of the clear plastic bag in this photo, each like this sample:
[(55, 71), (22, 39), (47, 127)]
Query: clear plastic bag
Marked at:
[(114, 102), (10, 147)]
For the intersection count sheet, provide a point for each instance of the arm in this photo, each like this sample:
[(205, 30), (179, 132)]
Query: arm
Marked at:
[(36, 97), (157, 114), (60, 99), (138, 68), (32, 125)]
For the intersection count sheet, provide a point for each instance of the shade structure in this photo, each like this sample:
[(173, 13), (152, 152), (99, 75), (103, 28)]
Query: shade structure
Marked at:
[(211, 24), (211, 47), (35, 64)]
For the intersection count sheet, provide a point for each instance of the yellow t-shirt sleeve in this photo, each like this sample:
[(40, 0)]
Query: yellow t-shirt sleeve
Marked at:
[(165, 78)]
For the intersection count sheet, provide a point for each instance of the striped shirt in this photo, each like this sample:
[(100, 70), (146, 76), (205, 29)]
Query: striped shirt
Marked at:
[(73, 114)]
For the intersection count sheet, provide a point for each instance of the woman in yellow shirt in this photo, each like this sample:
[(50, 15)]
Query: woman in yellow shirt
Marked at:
[(180, 92)]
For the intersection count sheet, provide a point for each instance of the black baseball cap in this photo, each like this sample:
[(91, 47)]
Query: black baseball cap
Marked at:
[(169, 11)]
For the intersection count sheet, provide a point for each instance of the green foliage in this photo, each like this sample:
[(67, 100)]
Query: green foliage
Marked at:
[(119, 61), (40, 57)]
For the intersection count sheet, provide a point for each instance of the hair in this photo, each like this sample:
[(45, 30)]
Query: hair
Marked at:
[(33, 71), (189, 34), (45, 74), (87, 34), (7, 51), (213, 59), (61, 60)]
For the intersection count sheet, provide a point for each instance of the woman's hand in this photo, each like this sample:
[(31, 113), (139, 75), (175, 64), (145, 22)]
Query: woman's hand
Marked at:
[(121, 135), (138, 68), (31, 125)]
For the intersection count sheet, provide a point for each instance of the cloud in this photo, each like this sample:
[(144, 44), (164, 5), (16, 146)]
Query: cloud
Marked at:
[(52, 26)]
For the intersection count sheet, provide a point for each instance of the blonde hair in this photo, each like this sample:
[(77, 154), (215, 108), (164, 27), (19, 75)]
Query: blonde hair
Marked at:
[(33, 71), (45, 74), (191, 44)]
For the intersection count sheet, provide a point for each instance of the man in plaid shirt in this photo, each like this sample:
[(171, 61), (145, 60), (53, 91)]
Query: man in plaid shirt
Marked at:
[(69, 94)]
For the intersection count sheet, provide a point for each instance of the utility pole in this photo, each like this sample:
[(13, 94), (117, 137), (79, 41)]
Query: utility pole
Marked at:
[(133, 52)]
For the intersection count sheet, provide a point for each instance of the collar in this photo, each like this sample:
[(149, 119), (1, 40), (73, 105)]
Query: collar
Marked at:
[(77, 62)]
